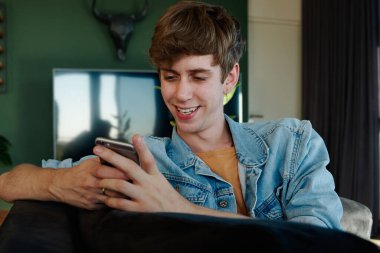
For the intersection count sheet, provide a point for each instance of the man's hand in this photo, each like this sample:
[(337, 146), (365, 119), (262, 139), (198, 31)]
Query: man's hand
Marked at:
[(79, 185), (147, 190)]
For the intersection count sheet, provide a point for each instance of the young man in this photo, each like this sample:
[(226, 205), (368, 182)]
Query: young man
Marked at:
[(211, 165)]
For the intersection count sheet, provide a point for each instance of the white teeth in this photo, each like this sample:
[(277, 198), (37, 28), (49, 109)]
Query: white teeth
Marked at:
[(186, 110)]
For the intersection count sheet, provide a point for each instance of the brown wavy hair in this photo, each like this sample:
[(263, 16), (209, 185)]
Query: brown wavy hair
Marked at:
[(195, 28)]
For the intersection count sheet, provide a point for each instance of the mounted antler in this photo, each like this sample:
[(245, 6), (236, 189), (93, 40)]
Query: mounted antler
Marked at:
[(120, 26)]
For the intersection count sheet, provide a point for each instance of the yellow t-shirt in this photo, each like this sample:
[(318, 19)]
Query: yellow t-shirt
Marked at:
[(224, 163)]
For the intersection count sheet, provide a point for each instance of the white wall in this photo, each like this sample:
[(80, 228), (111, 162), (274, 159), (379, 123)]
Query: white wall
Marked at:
[(274, 58)]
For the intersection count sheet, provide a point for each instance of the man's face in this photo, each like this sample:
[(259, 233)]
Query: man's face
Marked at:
[(193, 92)]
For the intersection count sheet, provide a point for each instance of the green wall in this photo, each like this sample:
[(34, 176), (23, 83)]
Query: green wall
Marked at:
[(46, 34)]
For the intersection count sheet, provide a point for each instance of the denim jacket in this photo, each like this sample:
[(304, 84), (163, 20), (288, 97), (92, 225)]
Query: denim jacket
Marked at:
[(282, 171)]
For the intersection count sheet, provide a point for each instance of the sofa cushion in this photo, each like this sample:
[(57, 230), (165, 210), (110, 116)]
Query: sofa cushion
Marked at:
[(33, 226)]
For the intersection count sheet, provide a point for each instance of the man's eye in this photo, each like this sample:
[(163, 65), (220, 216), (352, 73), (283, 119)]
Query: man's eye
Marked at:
[(169, 78), (200, 78)]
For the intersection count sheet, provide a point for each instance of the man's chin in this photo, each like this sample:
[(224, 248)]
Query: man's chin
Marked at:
[(185, 128)]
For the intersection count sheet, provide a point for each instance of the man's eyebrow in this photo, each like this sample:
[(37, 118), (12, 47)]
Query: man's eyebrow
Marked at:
[(168, 70), (198, 70)]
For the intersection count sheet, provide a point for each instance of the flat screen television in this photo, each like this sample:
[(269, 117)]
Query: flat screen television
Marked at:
[(116, 104)]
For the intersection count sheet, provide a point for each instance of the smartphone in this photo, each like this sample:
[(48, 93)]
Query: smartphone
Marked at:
[(122, 148)]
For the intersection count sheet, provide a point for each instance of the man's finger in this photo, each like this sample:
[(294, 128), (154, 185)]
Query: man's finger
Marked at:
[(147, 161), (109, 172), (128, 167), (125, 188)]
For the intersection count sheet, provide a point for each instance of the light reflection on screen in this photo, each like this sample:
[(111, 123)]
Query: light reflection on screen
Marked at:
[(120, 102), (73, 88)]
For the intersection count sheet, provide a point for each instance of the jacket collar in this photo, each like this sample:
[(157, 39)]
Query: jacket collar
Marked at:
[(250, 148)]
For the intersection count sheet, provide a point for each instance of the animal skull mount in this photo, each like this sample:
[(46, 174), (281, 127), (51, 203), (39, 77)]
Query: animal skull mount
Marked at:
[(120, 26)]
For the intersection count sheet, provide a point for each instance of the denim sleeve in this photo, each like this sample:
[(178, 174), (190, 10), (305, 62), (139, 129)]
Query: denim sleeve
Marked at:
[(311, 196), (67, 163)]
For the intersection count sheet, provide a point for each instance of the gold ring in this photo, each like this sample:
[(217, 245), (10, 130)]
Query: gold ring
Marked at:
[(103, 191)]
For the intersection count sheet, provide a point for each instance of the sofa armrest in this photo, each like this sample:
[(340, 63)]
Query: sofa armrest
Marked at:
[(357, 218)]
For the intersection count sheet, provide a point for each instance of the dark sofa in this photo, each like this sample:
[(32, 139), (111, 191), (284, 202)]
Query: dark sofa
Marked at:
[(33, 226)]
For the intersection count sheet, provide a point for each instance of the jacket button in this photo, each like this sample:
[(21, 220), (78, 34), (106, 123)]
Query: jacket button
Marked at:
[(223, 204)]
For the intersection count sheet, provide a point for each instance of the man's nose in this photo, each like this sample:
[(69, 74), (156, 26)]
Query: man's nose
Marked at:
[(184, 90)]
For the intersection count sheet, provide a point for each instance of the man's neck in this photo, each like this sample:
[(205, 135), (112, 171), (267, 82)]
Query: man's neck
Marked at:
[(211, 139)]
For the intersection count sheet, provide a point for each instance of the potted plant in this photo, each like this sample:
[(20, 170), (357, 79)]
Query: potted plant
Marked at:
[(5, 158)]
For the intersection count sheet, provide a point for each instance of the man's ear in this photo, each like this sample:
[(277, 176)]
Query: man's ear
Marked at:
[(232, 79)]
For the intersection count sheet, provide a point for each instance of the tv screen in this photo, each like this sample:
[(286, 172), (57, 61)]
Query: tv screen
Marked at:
[(105, 103), (116, 104)]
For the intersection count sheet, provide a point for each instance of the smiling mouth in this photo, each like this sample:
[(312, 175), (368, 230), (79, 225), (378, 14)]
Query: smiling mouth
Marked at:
[(187, 111)]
